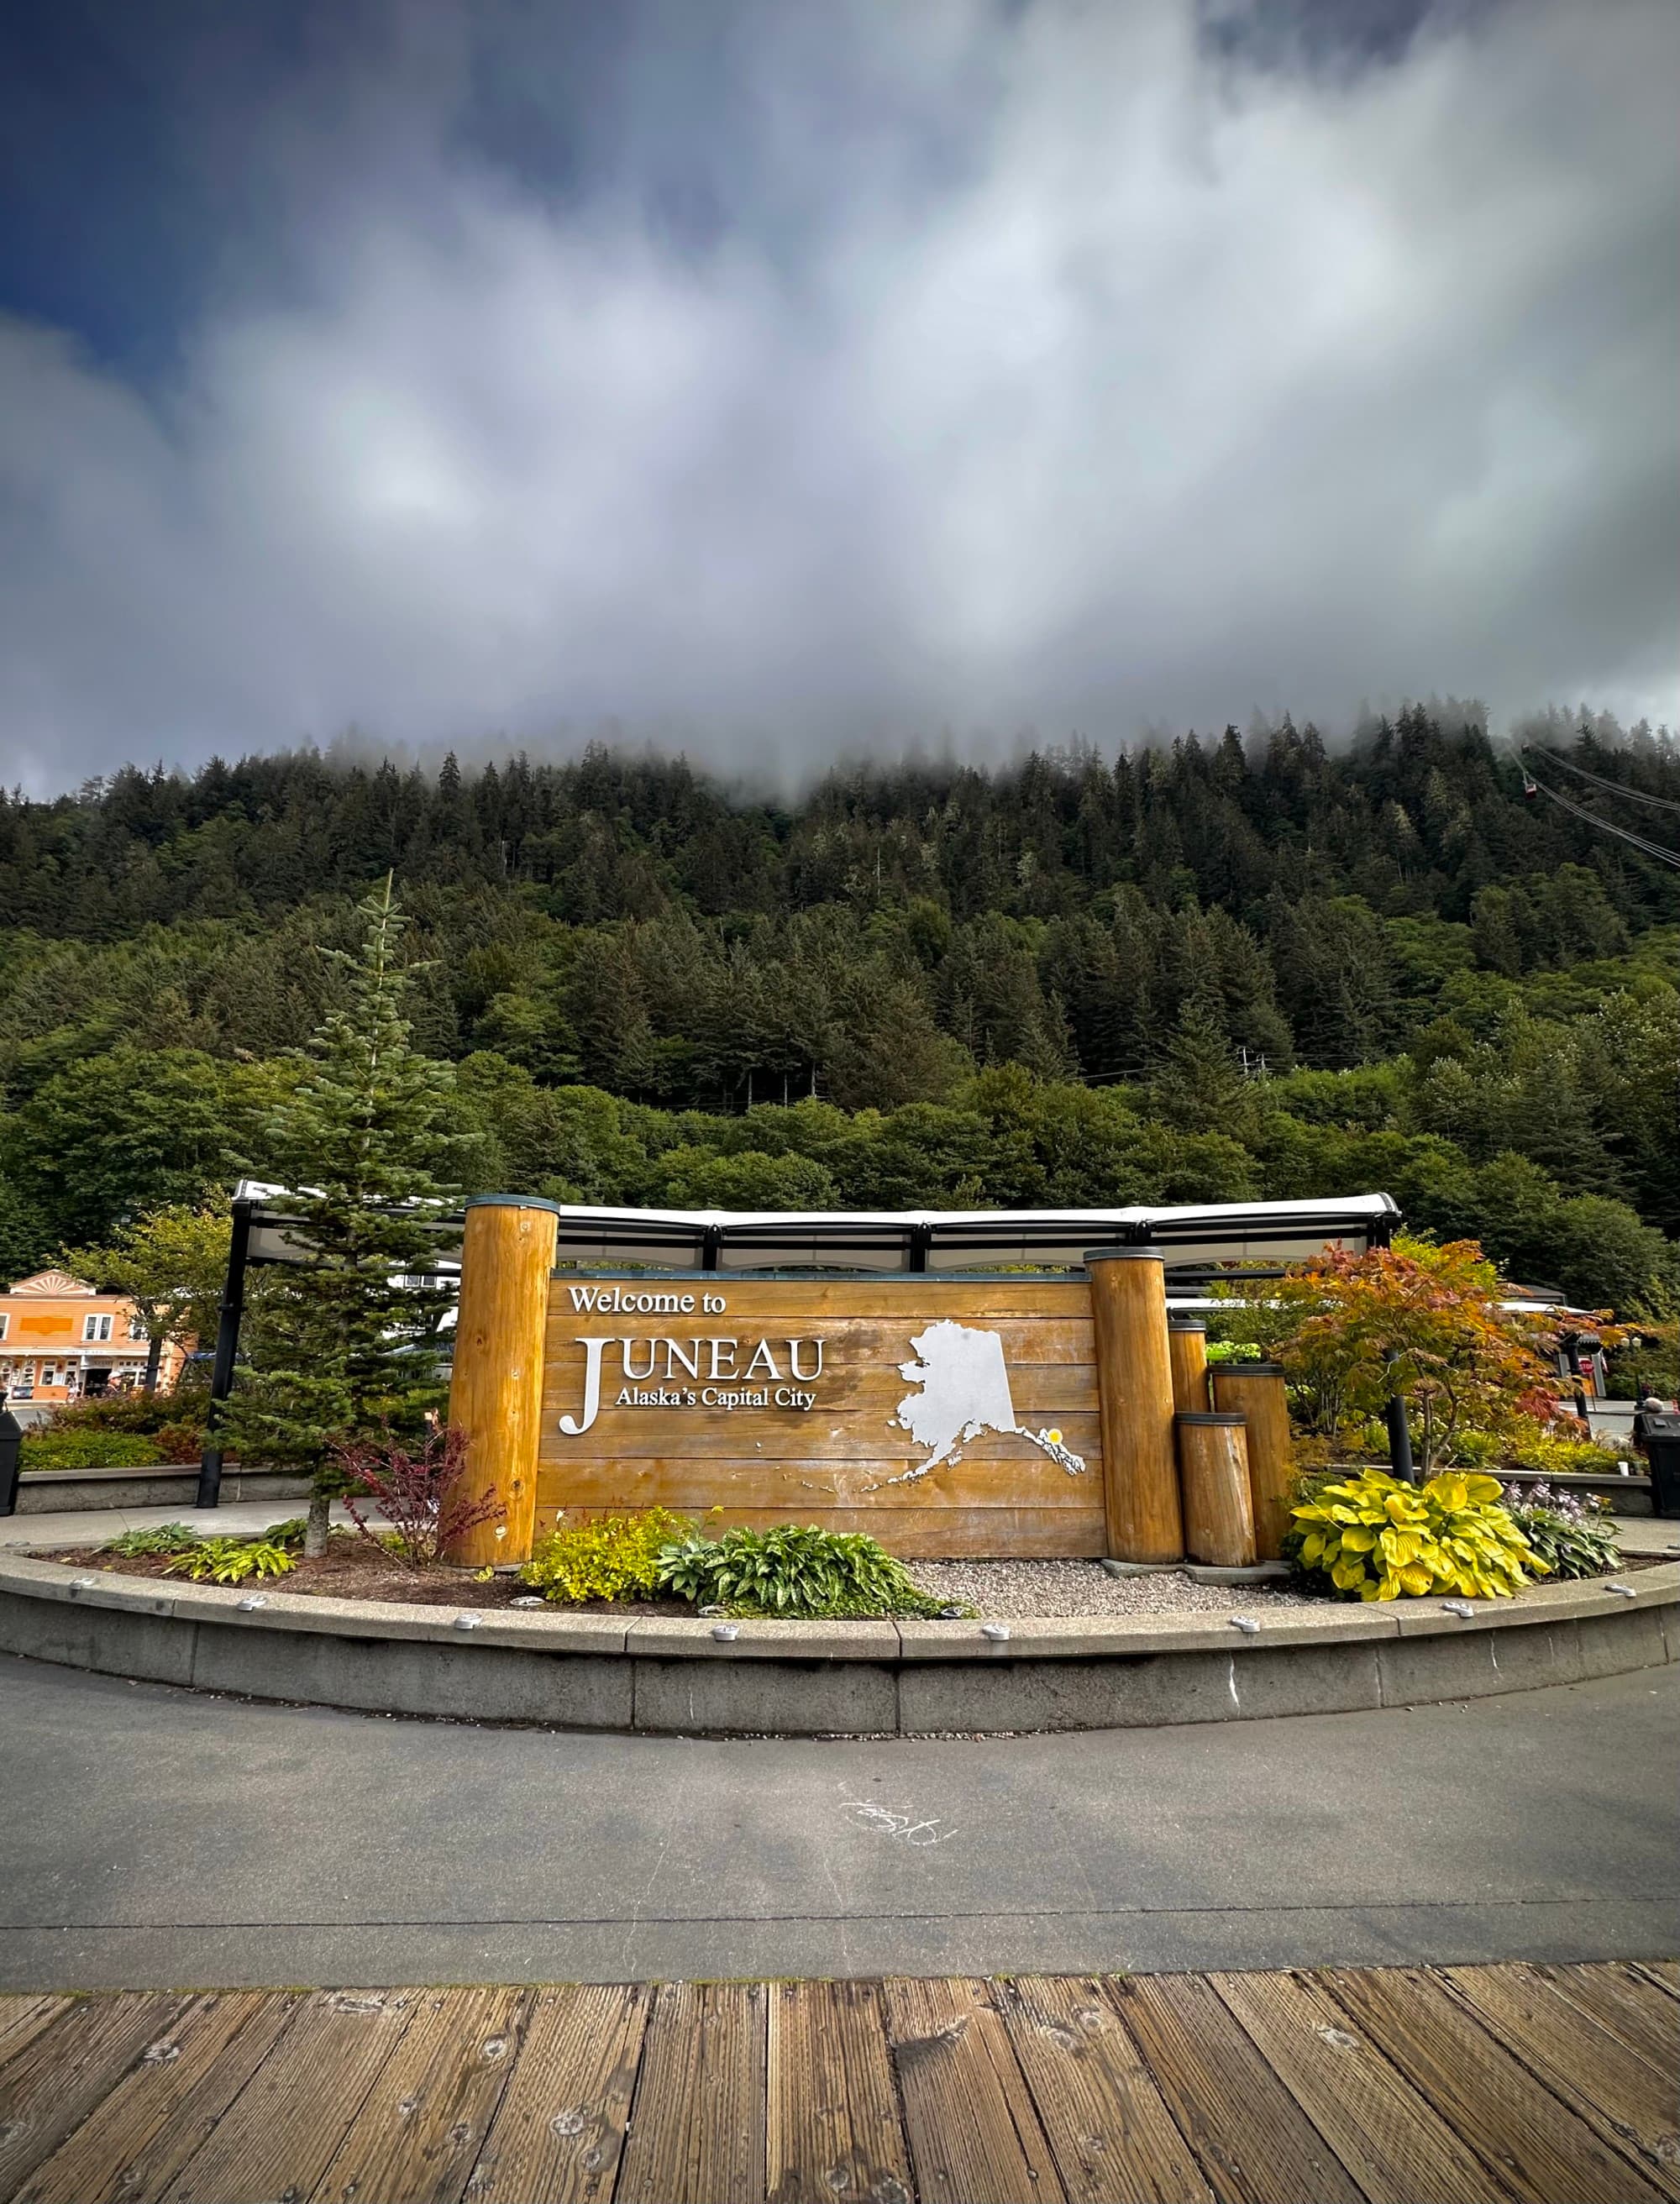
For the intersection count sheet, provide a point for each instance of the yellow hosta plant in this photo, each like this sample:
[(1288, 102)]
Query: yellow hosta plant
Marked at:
[(1377, 1538)]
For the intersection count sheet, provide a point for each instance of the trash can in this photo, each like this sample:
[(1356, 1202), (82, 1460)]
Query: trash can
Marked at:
[(1661, 1435)]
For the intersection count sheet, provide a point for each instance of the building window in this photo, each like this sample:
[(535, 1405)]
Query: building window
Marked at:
[(136, 1329), (5, 1323), (96, 1327)]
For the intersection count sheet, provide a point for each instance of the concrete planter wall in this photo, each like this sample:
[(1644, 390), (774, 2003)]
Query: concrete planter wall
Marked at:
[(672, 1675), (165, 1485)]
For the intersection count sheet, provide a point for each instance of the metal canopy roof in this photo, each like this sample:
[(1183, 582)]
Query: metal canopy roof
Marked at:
[(1192, 1238)]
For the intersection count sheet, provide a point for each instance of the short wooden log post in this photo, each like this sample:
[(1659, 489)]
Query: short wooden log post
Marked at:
[(1134, 1377), (1187, 1347), (496, 1394), (1214, 1477), (1255, 1391)]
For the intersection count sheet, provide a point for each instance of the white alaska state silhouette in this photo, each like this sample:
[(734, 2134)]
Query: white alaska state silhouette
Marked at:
[(965, 1390)]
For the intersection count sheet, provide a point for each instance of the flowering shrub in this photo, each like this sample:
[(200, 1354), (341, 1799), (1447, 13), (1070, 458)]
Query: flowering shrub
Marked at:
[(412, 1488), (617, 1558), (1372, 1537), (1575, 1536)]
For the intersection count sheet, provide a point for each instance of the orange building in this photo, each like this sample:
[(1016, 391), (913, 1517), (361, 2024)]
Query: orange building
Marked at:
[(63, 1340)]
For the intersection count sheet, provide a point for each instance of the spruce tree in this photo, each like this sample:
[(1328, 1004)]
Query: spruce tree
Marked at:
[(349, 1341)]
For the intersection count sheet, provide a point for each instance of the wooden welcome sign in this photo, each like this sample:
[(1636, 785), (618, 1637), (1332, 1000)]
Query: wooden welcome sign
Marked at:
[(1002, 1416)]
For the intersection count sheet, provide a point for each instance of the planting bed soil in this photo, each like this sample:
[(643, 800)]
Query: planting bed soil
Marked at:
[(351, 1568), (1004, 1591)]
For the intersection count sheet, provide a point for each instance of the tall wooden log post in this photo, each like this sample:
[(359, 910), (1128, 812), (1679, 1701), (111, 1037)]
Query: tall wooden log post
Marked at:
[(496, 1396), (1214, 1477), (1187, 1347), (1255, 1391), (1134, 1378)]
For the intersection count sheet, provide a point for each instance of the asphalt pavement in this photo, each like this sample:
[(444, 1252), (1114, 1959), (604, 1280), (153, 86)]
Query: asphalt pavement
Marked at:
[(165, 1837)]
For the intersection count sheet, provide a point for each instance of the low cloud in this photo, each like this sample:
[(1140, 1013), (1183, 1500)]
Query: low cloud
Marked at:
[(1072, 369)]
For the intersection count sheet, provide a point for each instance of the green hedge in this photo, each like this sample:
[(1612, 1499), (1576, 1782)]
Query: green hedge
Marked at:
[(84, 1448)]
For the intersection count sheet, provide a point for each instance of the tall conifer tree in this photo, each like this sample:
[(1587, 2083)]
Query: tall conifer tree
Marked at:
[(349, 1342)]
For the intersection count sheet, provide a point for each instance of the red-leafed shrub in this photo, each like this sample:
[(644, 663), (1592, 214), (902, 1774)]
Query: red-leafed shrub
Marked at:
[(412, 1488)]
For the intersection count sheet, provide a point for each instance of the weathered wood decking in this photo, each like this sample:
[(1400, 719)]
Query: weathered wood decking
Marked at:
[(1552, 2083)]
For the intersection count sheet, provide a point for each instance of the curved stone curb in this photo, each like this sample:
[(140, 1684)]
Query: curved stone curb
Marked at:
[(669, 1674)]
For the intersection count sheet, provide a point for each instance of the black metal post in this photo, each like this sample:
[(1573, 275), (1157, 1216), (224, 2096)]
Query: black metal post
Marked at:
[(921, 1239), (227, 1352), (1399, 1434), (11, 1446), (711, 1244)]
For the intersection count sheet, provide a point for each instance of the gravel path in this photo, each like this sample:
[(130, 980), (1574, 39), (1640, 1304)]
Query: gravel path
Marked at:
[(1022, 1589)]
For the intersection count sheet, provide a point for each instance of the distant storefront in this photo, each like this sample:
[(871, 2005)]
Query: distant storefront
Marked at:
[(61, 1340)]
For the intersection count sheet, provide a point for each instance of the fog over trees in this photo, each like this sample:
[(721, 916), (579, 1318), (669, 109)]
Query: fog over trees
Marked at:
[(1209, 971)]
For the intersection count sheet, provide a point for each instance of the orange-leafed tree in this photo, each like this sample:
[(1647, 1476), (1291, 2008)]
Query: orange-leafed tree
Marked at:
[(1422, 1321)]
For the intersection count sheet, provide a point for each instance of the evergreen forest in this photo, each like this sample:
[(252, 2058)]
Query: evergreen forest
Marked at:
[(1207, 971)]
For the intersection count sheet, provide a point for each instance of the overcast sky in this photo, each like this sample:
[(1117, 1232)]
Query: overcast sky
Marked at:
[(786, 376)]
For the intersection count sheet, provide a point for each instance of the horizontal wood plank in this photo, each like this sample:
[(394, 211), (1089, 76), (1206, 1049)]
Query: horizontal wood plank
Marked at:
[(327, 2059), (1620, 1999), (968, 2113), (62, 2074), (913, 1533), (1630, 2104), (1254, 2143), (1532, 2143), (140, 2135), (558, 2129), (832, 2122), (769, 1436), (418, 2133), (924, 1297), (1396, 2146), (1111, 2132)]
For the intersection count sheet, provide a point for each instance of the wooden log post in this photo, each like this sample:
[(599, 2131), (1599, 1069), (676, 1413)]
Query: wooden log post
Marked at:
[(496, 1394), (1187, 1347), (1134, 1377), (1255, 1391), (1214, 1477)]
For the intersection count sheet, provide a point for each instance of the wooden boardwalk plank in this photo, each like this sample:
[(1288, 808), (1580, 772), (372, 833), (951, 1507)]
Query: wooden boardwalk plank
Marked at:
[(831, 2125), (696, 2126), (1665, 1973), (1113, 2135), (421, 2126), (279, 2134), (62, 2074), (558, 2129), (156, 2159), (1592, 2071), (1254, 2143), (1622, 2001), (968, 2113), (22, 2019), (1538, 2148), (1397, 2148), (181, 2086)]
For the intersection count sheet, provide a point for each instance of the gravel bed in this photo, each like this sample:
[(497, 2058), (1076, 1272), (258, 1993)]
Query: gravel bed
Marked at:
[(1026, 1589)]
